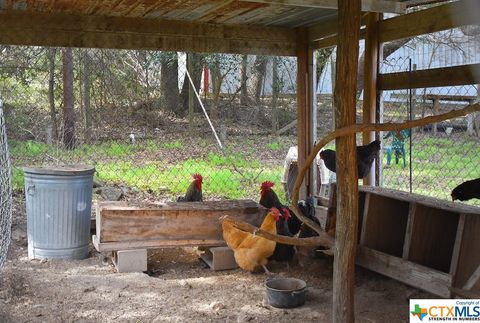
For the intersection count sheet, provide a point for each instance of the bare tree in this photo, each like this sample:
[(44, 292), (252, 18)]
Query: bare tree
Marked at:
[(51, 90), (258, 76), (169, 81), (388, 49), (243, 81), (276, 86), (86, 95), (68, 113), (196, 74)]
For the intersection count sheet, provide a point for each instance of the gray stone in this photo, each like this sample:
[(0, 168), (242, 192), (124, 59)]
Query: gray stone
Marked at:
[(111, 193)]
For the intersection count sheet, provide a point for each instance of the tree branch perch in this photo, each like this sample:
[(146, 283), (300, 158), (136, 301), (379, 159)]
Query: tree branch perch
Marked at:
[(322, 240)]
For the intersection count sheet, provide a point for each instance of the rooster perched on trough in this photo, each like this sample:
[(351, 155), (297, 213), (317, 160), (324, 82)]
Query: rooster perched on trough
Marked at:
[(251, 252), (194, 191), (365, 156)]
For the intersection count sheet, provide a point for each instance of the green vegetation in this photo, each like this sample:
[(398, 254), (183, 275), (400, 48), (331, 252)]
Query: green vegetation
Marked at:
[(439, 164), (273, 146), (177, 144)]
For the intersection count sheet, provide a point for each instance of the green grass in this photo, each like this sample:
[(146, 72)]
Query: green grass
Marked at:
[(274, 146), (439, 164), (177, 144), (218, 181)]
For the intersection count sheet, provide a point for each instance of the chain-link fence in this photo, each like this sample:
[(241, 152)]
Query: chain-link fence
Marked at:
[(5, 191), (135, 119), (434, 159)]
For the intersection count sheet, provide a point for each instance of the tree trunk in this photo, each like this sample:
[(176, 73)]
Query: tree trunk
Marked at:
[(68, 113), (217, 86), (86, 96), (258, 76), (196, 74), (388, 49), (169, 81), (323, 56), (349, 12), (243, 81), (276, 85), (51, 91)]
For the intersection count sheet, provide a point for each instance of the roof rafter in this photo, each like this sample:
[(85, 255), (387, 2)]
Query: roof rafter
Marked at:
[(67, 30), (367, 5)]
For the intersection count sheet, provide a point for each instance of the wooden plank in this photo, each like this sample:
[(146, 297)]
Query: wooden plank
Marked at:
[(304, 107), (469, 255), (173, 221), (443, 17), (66, 30), (433, 237), (407, 272), (330, 41), (349, 17), (423, 200), (435, 77), (152, 244), (408, 233), (366, 5), (370, 94), (365, 218), (325, 28), (473, 279), (457, 245), (464, 293), (386, 225)]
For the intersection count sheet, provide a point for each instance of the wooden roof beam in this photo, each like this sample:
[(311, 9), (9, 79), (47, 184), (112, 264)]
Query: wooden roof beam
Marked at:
[(442, 17), (66, 30), (367, 5)]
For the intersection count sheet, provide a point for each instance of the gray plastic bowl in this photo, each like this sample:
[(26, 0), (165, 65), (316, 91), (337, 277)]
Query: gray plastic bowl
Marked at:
[(285, 292)]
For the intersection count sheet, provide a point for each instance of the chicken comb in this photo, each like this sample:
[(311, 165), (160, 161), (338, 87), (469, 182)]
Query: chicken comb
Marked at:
[(197, 177), (267, 184)]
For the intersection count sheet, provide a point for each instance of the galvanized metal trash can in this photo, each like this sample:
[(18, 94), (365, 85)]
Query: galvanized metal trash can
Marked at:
[(59, 203)]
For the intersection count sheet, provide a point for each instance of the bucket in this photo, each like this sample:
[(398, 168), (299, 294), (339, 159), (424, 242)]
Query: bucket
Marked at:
[(59, 203), (286, 292)]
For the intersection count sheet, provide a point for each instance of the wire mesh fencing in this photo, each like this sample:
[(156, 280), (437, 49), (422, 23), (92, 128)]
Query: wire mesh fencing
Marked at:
[(5, 192), (434, 159), (136, 120)]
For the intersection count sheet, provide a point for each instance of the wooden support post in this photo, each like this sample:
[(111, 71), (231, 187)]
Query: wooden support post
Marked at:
[(305, 107), (347, 183), (370, 88), (436, 106)]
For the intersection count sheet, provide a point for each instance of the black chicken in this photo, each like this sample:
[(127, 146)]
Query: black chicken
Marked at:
[(194, 191), (467, 190), (365, 156), (269, 199), (289, 225)]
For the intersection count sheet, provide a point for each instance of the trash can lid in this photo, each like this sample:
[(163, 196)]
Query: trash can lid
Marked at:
[(65, 170)]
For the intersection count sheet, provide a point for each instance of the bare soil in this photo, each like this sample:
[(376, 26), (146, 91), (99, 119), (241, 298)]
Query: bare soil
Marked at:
[(177, 288)]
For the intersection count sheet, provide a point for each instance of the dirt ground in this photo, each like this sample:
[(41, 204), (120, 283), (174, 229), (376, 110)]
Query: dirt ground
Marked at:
[(178, 288)]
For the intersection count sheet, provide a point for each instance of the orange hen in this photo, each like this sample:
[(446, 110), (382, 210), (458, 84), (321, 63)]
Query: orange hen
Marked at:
[(250, 251)]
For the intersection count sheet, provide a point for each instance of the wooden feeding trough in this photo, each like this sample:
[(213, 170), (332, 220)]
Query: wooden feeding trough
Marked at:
[(428, 243), (121, 227)]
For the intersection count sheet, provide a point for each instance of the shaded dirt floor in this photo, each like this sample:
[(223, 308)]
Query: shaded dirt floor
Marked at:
[(178, 288)]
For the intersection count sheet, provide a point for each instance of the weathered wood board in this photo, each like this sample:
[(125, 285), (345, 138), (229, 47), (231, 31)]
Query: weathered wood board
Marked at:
[(121, 226), (424, 242)]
